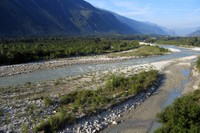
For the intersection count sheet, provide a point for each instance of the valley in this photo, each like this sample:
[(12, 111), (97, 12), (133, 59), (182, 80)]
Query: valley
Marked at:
[(109, 66), (36, 93)]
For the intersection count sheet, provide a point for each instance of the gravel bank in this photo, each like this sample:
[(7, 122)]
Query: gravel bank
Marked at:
[(11, 70), (140, 120)]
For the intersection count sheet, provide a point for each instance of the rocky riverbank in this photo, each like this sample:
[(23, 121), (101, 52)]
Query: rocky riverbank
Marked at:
[(25, 104), (141, 118), (11, 70), (31, 67), (97, 123)]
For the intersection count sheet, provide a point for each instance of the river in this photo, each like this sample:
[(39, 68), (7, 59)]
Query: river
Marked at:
[(176, 92), (75, 70)]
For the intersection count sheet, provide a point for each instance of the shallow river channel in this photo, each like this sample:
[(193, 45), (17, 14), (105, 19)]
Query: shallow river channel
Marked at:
[(75, 70)]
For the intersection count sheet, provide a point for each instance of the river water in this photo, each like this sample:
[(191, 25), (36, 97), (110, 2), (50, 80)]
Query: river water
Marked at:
[(75, 70)]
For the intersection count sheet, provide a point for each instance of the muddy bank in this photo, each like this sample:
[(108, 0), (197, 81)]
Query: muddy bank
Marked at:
[(140, 120)]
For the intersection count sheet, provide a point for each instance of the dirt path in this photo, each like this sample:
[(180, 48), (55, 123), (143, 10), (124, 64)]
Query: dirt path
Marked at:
[(140, 120)]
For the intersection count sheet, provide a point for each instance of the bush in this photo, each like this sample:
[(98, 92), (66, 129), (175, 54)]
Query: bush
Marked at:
[(1, 112), (47, 101), (136, 83), (182, 116), (24, 128), (198, 64), (56, 122)]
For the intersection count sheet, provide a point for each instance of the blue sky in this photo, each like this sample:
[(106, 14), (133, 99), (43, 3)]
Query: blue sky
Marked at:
[(173, 14)]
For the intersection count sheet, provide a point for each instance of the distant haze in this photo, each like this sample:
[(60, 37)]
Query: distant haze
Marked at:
[(184, 31), (182, 16)]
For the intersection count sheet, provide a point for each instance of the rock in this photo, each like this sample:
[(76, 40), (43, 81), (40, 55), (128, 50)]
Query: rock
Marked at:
[(114, 123)]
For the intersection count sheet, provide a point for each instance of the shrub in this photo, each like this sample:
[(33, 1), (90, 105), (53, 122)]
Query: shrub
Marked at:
[(198, 64), (56, 122), (47, 101), (24, 128), (91, 101), (1, 112), (182, 116)]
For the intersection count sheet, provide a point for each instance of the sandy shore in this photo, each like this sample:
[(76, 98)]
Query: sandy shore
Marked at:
[(140, 120)]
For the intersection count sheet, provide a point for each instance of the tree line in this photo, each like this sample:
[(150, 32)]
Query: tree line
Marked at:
[(30, 50), (187, 41)]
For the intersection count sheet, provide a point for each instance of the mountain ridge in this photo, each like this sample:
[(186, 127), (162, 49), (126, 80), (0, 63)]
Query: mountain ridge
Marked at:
[(63, 17), (196, 33), (143, 27)]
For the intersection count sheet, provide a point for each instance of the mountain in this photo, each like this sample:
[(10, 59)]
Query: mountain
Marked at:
[(64, 17), (196, 33), (143, 27)]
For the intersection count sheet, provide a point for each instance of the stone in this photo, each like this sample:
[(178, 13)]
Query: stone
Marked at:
[(114, 123)]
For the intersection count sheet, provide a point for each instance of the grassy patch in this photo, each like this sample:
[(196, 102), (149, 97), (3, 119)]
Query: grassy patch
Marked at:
[(142, 51), (198, 64)]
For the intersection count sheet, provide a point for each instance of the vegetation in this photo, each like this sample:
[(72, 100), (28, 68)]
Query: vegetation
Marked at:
[(116, 89), (1, 112), (183, 116), (24, 128), (142, 51), (198, 64), (183, 41), (47, 101), (56, 121), (29, 50)]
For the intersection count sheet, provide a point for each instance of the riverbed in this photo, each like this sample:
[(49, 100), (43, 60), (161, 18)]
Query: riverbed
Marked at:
[(143, 118), (78, 69), (177, 68)]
